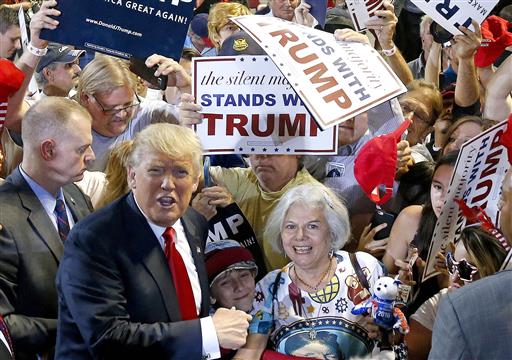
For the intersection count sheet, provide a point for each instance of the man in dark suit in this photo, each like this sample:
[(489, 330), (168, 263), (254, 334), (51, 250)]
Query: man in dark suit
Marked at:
[(122, 291), (6, 349), (473, 322), (57, 147)]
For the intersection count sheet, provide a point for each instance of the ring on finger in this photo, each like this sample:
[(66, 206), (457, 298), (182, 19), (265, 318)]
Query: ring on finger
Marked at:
[(381, 27)]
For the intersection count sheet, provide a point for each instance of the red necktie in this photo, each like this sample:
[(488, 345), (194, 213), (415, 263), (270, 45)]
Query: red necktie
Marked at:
[(62, 219), (179, 276)]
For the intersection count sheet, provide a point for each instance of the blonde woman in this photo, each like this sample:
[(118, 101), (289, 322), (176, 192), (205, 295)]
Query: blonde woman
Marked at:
[(219, 25), (115, 173)]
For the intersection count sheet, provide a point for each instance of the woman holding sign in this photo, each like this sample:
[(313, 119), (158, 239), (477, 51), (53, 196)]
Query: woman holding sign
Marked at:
[(412, 231), (478, 254)]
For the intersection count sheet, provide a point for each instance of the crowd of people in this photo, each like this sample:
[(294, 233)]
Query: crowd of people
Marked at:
[(120, 239)]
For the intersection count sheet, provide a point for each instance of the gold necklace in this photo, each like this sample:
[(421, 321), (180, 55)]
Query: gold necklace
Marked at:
[(315, 288), (310, 323)]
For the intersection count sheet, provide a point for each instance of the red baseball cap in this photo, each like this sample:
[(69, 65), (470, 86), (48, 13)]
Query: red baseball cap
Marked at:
[(375, 165), (496, 36)]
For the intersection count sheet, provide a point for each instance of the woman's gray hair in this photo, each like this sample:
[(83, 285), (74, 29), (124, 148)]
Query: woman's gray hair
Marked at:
[(311, 196)]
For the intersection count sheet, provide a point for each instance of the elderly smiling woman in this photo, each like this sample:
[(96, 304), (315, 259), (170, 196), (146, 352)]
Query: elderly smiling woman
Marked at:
[(309, 300)]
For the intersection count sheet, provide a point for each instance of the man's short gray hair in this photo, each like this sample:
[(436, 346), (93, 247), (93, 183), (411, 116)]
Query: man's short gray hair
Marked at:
[(316, 196), (42, 80)]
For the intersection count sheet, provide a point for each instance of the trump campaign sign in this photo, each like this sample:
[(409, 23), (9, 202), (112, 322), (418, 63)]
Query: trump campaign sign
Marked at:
[(451, 14), (477, 177), (124, 28), (335, 80), (249, 107), (362, 10)]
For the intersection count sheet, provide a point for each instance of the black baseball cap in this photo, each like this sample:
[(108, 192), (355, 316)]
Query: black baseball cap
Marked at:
[(240, 43), (61, 54)]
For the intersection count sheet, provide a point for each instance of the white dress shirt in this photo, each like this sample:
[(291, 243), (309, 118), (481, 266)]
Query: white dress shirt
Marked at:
[(47, 200), (211, 349)]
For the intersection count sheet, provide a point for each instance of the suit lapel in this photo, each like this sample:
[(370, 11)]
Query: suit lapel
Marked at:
[(78, 212), (37, 217), (146, 245), (195, 242)]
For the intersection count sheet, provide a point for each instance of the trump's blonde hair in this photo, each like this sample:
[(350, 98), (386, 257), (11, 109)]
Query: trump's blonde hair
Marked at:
[(177, 142)]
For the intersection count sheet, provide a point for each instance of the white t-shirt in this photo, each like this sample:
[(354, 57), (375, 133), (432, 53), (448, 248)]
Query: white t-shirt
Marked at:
[(92, 185), (426, 313)]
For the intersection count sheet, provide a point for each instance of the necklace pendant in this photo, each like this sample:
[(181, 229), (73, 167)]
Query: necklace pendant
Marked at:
[(312, 334)]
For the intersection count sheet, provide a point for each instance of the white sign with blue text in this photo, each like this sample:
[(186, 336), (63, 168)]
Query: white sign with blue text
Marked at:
[(250, 108), (451, 14), (477, 177), (335, 80)]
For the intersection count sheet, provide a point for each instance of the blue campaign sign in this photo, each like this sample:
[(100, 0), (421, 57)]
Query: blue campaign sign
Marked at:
[(318, 10), (124, 28)]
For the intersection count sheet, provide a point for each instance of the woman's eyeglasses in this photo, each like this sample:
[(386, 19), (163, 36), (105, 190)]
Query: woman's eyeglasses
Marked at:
[(463, 268)]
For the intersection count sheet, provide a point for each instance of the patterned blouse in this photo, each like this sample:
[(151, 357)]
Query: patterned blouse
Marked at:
[(318, 324)]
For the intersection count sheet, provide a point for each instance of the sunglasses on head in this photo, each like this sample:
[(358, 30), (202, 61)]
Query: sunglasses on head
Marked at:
[(463, 268)]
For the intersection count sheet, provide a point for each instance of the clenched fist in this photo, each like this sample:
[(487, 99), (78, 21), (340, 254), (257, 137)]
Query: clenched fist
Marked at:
[(231, 327)]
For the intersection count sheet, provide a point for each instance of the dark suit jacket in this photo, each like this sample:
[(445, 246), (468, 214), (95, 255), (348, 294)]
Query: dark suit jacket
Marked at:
[(4, 352), (116, 295), (474, 322), (30, 250)]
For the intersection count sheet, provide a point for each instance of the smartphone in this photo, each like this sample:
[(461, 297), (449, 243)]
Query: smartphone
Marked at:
[(138, 67), (380, 217), (439, 34), (206, 171)]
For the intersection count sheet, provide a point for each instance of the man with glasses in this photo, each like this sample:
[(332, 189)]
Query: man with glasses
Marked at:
[(107, 89), (422, 104)]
